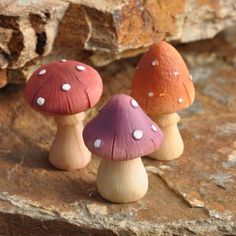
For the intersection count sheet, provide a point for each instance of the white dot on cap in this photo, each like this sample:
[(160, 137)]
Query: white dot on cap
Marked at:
[(40, 101), (154, 128), (42, 72), (137, 134), (190, 77), (134, 103), (80, 68), (176, 73), (150, 94), (63, 60), (97, 143), (180, 100), (154, 63), (66, 87)]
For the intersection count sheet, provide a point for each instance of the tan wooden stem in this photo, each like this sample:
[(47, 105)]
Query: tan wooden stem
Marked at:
[(172, 146), (68, 151), (122, 181)]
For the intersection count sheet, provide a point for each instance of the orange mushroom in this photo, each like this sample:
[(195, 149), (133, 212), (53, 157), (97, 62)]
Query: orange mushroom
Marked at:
[(163, 86)]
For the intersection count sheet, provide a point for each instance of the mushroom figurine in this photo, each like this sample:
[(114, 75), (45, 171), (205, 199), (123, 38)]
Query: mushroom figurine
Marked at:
[(65, 89), (162, 85), (120, 134)]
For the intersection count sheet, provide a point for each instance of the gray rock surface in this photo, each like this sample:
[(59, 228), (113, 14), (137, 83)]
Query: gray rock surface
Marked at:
[(194, 195)]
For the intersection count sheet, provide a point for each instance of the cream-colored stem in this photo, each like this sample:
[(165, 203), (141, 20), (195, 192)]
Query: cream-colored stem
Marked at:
[(68, 151), (172, 146), (122, 181)]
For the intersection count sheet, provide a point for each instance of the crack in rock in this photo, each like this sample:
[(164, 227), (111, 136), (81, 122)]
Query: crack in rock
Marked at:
[(192, 201), (20, 164), (221, 179)]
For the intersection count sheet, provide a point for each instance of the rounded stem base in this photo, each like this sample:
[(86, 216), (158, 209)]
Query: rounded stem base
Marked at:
[(122, 181)]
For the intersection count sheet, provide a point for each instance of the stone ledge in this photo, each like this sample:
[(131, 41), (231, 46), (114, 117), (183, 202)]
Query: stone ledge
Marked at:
[(192, 195)]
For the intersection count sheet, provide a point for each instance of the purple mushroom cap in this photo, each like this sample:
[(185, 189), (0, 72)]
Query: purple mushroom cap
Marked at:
[(122, 131)]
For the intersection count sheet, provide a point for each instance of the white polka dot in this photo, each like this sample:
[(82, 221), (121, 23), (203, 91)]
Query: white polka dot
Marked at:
[(97, 143), (63, 60), (134, 103), (66, 87), (180, 100), (137, 68), (190, 77), (137, 134), (150, 94), (80, 68), (42, 72), (154, 128), (40, 101), (176, 73), (154, 63)]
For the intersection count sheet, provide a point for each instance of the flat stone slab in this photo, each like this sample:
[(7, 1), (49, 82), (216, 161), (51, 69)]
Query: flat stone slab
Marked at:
[(195, 194)]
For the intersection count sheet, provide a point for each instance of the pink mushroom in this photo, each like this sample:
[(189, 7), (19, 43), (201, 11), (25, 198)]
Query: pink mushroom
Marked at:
[(65, 89)]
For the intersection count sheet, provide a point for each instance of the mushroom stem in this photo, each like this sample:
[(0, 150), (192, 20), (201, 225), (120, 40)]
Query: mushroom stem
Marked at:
[(122, 181), (172, 146), (68, 151)]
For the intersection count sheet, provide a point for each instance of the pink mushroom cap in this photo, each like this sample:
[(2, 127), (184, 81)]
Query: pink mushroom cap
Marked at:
[(63, 87)]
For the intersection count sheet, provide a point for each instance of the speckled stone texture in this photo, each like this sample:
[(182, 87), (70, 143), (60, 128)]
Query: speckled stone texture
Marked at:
[(194, 195)]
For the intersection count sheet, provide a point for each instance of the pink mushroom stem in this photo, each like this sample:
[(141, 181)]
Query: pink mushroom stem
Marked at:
[(68, 151)]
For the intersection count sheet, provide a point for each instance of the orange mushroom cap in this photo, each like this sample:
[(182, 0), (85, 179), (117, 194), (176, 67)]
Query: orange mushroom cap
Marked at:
[(162, 83)]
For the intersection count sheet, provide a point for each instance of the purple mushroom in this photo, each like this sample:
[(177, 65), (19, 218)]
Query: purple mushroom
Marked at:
[(120, 134)]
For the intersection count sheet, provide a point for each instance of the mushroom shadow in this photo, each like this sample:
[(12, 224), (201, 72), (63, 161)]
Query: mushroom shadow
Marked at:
[(35, 158), (11, 89)]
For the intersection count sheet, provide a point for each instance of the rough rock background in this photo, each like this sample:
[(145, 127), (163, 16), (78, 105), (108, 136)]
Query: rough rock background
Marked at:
[(33, 32), (194, 195)]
